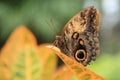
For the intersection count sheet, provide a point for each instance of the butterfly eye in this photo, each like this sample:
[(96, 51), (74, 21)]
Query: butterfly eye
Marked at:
[(80, 55)]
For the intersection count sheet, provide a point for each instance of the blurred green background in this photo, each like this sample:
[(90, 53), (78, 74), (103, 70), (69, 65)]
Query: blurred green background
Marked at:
[(41, 16)]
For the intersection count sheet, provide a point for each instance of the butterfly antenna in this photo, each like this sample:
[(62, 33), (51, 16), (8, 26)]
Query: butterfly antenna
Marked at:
[(52, 26)]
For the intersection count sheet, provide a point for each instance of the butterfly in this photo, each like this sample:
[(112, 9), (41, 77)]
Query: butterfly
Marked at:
[(79, 38)]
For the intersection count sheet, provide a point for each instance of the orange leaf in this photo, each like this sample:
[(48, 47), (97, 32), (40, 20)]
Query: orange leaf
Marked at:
[(78, 69), (18, 39), (27, 65), (48, 61), (62, 74)]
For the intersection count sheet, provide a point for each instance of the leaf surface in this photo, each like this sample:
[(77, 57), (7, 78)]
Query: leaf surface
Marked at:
[(78, 69), (63, 73), (15, 58), (48, 61)]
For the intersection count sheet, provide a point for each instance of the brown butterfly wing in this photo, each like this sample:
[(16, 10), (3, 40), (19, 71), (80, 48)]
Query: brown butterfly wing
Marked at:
[(79, 38)]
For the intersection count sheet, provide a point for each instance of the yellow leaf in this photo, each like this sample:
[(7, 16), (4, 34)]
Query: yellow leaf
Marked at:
[(27, 65), (22, 59), (62, 74), (78, 69), (18, 39), (48, 61)]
